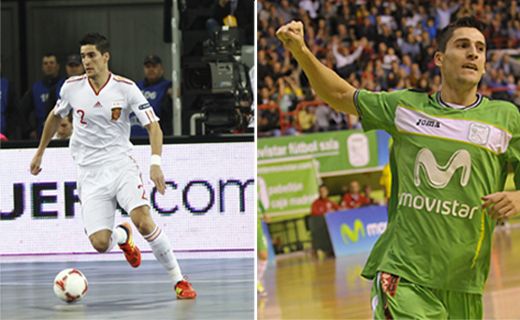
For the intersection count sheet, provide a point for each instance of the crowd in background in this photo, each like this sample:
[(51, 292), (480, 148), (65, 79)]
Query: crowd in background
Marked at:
[(23, 118), (375, 45)]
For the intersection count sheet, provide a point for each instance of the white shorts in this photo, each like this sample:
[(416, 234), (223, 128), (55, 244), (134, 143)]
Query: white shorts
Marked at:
[(100, 188)]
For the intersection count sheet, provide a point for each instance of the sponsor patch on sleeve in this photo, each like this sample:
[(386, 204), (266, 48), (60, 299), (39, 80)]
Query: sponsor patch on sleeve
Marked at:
[(144, 106)]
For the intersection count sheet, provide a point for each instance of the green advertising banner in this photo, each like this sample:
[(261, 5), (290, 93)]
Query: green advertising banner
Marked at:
[(287, 187), (338, 152)]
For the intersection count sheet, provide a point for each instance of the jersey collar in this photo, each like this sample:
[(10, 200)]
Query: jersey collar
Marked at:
[(446, 105), (101, 88)]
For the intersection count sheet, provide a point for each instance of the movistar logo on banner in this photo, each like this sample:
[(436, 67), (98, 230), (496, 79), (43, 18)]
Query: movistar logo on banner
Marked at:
[(358, 231), (439, 176)]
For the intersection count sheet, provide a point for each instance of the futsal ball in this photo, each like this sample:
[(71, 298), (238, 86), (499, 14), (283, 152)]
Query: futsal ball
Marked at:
[(70, 285)]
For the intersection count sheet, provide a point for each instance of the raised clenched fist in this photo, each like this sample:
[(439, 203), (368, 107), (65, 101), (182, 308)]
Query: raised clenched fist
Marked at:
[(291, 35)]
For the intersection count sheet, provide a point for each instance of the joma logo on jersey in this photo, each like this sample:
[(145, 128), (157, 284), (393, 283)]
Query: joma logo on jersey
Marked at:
[(438, 176), (428, 123)]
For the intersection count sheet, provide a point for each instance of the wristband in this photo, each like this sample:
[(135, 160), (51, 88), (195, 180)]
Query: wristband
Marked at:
[(155, 160)]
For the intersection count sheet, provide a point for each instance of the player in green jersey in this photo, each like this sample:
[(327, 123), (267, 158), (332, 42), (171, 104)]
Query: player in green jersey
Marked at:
[(449, 164), (261, 249)]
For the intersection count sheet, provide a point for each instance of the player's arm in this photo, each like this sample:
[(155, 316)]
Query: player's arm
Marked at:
[(335, 91), (156, 137), (49, 129), (507, 203)]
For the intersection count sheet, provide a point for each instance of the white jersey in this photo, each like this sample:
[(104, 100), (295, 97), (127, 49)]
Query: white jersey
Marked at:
[(101, 119)]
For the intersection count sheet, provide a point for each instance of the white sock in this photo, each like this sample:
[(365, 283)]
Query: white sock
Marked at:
[(261, 266), (118, 236), (162, 251), (122, 236)]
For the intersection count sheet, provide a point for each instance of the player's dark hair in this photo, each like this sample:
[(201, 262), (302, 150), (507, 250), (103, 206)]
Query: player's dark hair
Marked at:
[(96, 39), (466, 22)]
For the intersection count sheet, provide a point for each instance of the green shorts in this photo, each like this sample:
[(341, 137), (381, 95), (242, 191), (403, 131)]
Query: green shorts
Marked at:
[(395, 298), (261, 242)]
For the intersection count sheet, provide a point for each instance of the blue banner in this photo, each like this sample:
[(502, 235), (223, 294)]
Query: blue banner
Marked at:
[(356, 231), (383, 147)]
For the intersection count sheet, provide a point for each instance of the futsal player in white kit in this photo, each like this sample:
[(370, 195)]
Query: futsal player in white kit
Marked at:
[(107, 174)]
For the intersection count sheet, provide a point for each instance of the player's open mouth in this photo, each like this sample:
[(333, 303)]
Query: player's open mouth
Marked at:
[(470, 66)]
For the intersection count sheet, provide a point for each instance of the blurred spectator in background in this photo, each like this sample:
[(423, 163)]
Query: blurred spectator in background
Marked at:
[(73, 68), (311, 6), (353, 198), (323, 204), (289, 93), (34, 104), (344, 58), (367, 190), (268, 122), (232, 13), (444, 11), (9, 117), (64, 130), (338, 121), (323, 115), (306, 118), (322, 247), (158, 91), (382, 45)]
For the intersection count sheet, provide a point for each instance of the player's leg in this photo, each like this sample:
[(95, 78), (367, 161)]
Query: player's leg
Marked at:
[(132, 197), (395, 298), (98, 220), (262, 258), (158, 241), (97, 207), (100, 240), (162, 250)]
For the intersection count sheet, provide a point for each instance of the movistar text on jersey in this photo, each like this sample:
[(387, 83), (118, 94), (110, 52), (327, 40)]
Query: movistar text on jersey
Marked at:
[(445, 207)]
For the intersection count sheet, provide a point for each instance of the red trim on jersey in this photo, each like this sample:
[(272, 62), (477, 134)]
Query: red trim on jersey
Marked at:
[(97, 93), (77, 78), (150, 117), (121, 79)]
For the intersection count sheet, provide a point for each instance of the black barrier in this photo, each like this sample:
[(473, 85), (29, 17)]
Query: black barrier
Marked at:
[(222, 138)]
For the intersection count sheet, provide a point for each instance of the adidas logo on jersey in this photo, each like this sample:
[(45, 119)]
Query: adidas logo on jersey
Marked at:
[(98, 105), (428, 123)]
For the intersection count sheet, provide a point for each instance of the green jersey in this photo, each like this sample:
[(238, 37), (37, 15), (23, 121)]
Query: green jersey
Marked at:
[(443, 161)]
